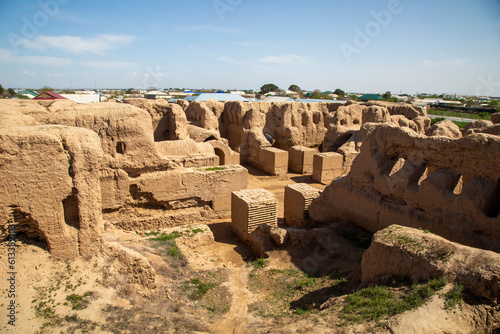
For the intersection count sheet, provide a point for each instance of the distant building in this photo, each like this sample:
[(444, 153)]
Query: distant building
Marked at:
[(84, 97), (156, 95), (278, 99), (49, 96), (401, 98), (370, 97), (320, 101), (28, 93), (292, 94), (216, 96)]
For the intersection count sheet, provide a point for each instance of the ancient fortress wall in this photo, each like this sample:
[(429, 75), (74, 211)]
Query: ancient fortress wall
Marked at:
[(449, 186)]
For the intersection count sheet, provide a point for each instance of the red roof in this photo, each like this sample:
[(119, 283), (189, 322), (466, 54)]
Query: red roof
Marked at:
[(49, 96)]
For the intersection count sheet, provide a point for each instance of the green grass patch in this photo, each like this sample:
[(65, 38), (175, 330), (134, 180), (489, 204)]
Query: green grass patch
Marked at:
[(306, 282), (79, 302), (167, 237), (435, 120), (199, 288), (378, 302), (483, 115), (454, 296), (259, 264), (461, 125), (167, 241)]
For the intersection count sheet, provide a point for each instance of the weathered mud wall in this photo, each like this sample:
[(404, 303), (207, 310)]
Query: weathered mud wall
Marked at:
[(49, 187), (421, 255), (288, 124), (448, 186)]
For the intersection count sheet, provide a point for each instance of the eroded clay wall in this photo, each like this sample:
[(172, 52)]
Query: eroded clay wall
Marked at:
[(49, 187), (446, 185)]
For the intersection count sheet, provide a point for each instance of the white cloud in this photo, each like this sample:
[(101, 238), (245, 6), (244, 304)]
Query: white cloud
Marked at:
[(31, 74), (211, 28), (288, 59), (107, 65), (76, 44), (9, 56)]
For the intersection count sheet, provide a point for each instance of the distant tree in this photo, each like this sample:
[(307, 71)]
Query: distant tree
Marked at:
[(11, 92), (387, 95), (410, 99), (494, 103), (316, 94), (339, 92), (295, 88), (268, 88), (46, 89), (22, 97), (352, 97), (1, 90)]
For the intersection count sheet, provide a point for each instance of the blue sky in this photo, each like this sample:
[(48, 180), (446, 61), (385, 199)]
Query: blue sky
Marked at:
[(371, 46)]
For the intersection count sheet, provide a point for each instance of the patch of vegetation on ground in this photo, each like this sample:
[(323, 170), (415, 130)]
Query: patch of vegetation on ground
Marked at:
[(483, 115), (461, 125), (379, 302), (46, 307), (207, 290), (454, 296), (79, 302), (166, 242), (290, 292)]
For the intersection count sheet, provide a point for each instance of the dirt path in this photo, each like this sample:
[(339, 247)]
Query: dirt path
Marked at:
[(237, 319)]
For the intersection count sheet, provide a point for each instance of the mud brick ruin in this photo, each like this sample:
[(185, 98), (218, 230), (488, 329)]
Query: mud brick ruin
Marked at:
[(301, 159), (251, 208), (327, 166), (66, 169), (298, 198)]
